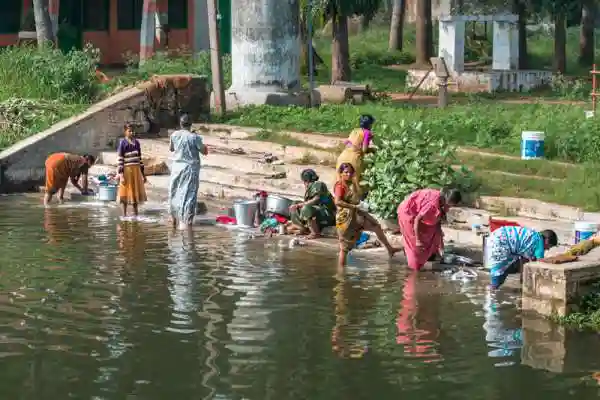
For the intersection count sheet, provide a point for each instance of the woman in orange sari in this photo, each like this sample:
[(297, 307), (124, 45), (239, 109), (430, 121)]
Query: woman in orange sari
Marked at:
[(350, 219), (131, 172), (62, 167), (357, 145)]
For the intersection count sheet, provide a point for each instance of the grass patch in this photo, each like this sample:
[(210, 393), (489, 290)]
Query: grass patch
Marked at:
[(569, 136), (535, 168)]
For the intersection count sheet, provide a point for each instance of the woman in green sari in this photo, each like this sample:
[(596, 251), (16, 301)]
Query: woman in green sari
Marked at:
[(317, 211)]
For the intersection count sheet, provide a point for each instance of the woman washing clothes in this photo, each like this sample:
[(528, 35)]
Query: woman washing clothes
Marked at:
[(509, 246), (131, 172), (357, 145), (62, 167), (185, 173), (420, 218), (317, 211), (350, 220)]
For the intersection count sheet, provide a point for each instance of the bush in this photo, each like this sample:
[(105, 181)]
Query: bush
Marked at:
[(181, 61), (409, 158), (49, 74)]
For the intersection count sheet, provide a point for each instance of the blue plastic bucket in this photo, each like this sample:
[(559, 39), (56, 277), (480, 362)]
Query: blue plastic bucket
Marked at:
[(532, 145), (585, 230), (107, 193)]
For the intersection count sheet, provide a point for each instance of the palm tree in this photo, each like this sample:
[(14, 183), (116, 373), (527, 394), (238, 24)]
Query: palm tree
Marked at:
[(424, 32), (586, 35), (43, 23), (338, 11), (397, 25)]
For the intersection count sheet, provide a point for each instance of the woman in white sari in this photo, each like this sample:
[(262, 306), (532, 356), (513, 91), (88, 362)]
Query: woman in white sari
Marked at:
[(185, 173)]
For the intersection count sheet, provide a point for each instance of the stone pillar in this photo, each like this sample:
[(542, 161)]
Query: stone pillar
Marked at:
[(200, 40), (505, 53), (265, 51), (452, 43)]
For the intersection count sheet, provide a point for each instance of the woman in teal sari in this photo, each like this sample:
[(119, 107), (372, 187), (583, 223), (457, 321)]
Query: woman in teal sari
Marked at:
[(185, 173), (317, 211)]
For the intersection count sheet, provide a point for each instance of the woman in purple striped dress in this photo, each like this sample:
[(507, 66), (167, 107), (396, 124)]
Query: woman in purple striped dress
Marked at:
[(131, 172)]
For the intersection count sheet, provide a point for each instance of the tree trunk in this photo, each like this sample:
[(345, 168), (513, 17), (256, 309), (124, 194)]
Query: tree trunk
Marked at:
[(586, 35), (43, 24), (397, 25), (520, 9), (424, 32), (340, 49), (560, 43)]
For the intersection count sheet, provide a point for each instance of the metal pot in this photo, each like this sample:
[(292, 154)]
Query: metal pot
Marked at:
[(245, 212), (279, 205)]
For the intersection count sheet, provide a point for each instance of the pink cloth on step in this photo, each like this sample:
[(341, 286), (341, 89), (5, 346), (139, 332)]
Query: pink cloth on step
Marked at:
[(426, 204)]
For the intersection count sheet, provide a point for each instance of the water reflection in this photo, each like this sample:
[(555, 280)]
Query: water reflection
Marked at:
[(417, 327), (95, 307), (349, 334)]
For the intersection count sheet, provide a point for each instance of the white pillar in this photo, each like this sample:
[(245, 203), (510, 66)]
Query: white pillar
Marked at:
[(452, 43), (504, 52)]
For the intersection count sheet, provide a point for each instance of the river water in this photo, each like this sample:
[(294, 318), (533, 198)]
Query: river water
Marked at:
[(93, 307)]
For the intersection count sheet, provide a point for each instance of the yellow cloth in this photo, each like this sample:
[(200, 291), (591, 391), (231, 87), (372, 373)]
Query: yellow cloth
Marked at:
[(131, 189), (353, 153)]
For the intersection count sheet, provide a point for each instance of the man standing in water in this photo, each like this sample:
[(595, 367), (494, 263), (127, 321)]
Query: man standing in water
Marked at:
[(185, 173)]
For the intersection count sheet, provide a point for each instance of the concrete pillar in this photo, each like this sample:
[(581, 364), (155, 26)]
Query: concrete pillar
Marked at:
[(148, 30), (200, 41), (265, 50), (505, 52), (452, 43)]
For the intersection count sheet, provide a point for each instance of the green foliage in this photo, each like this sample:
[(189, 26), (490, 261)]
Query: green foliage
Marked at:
[(409, 158), (49, 74), (588, 314), (181, 61), (39, 87)]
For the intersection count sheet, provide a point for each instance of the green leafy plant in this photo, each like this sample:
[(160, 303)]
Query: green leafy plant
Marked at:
[(409, 158)]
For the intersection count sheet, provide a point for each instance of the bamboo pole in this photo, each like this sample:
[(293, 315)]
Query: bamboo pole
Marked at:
[(215, 57)]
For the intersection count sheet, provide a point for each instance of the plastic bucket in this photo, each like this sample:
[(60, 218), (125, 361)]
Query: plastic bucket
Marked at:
[(532, 145), (107, 193), (585, 230)]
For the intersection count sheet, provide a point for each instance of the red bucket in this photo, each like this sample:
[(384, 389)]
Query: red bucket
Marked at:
[(499, 223)]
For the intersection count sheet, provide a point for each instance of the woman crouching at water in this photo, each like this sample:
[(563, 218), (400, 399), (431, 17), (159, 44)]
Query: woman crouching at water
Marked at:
[(62, 167), (317, 211), (420, 218), (509, 246), (350, 220)]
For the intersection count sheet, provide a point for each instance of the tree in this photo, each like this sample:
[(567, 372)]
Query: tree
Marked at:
[(338, 11), (424, 32), (397, 25), (586, 35), (560, 42), (519, 7), (43, 23)]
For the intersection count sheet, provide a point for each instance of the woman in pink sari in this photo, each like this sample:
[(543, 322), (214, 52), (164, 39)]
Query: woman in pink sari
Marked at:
[(420, 217)]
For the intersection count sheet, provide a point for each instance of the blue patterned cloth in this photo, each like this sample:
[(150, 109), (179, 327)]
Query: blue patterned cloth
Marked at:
[(508, 244), (185, 175)]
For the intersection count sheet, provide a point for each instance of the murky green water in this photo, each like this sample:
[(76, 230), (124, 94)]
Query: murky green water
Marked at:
[(95, 308)]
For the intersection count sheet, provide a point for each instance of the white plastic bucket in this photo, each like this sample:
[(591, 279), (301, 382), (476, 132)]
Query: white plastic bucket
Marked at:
[(532, 145), (107, 192), (585, 230)]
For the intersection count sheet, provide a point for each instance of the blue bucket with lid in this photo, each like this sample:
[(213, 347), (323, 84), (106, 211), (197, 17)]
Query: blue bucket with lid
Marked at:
[(107, 192)]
